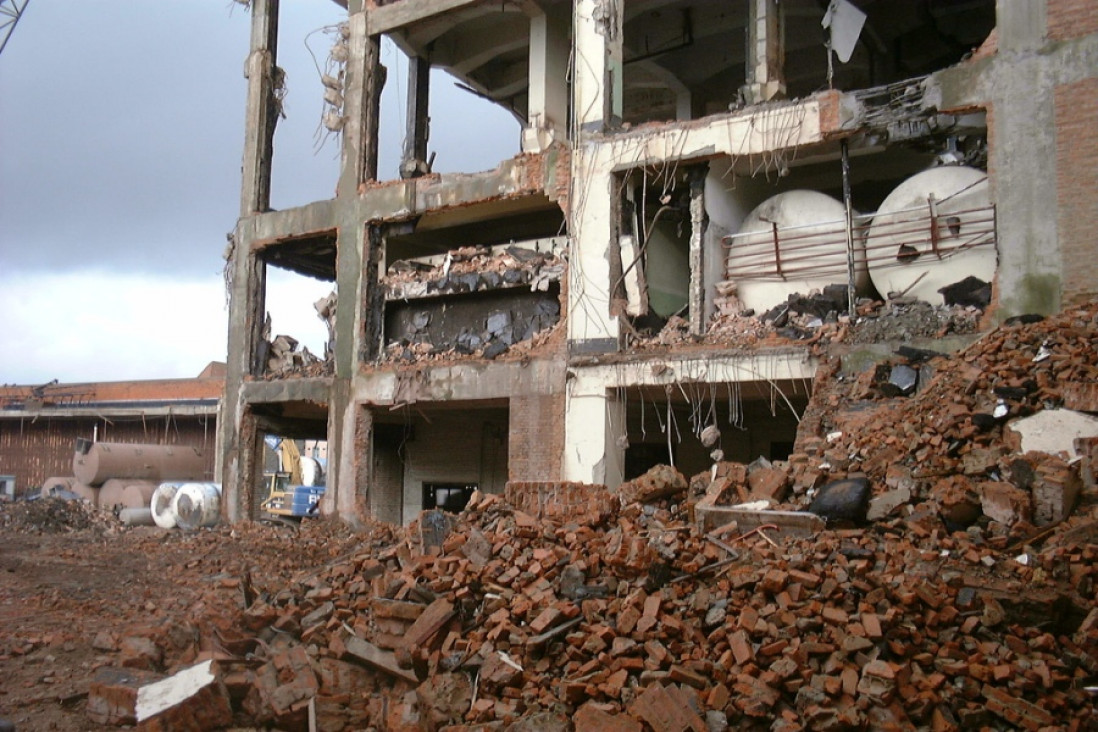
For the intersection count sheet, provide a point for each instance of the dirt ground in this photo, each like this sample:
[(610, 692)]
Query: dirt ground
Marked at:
[(75, 585)]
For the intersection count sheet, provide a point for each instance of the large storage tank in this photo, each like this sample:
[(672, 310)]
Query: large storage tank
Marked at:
[(126, 493), (935, 229), (96, 462), (793, 242), (197, 505)]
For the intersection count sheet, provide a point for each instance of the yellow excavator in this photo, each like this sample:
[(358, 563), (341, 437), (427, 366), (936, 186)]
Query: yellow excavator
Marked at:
[(286, 496)]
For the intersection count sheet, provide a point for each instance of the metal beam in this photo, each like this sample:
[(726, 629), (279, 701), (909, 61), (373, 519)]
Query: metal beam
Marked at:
[(10, 13)]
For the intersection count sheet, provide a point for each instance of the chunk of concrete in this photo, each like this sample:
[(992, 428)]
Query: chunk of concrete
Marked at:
[(1054, 431), (194, 698), (112, 695)]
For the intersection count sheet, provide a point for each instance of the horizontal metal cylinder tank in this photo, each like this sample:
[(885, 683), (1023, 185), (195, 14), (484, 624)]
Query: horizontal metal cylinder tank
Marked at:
[(103, 460), (793, 242), (55, 484), (197, 505), (126, 493), (934, 229)]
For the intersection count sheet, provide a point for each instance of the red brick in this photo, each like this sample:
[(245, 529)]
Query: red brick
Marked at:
[(589, 718)]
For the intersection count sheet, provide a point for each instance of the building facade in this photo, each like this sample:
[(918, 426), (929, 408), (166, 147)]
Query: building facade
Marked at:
[(589, 308)]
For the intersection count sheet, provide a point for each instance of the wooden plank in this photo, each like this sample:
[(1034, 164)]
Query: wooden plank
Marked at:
[(382, 660)]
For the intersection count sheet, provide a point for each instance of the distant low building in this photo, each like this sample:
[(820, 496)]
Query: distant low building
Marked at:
[(39, 425)]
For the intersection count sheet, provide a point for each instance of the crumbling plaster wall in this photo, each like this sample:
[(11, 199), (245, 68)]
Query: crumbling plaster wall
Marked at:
[(1018, 83)]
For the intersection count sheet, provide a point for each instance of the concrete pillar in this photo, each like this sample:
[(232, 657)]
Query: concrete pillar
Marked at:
[(547, 108), (597, 82), (765, 51), (414, 162), (262, 109), (591, 326), (594, 432), (697, 237), (365, 78)]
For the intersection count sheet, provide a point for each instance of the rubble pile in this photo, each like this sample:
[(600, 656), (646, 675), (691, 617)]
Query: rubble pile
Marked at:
[(514, 327), (559, 607), (963, 596), (53, 516), (821, 318), (472, 269), (956, 425)]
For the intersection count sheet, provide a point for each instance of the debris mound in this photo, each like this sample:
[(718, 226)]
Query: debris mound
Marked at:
[(52, 516)]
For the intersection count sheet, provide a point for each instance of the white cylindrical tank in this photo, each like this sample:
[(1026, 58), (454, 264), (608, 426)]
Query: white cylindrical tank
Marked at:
[(197, 505), (793, 242), (161, 505), (136, 517), (909, 255), (312, 473)]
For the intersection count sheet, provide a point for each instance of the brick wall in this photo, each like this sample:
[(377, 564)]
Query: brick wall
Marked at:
[(1071, 19), (563, 502), (1077, 185), (536, 439)]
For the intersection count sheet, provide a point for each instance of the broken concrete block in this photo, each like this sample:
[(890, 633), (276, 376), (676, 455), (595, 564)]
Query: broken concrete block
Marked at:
[(1004, 503), (112, 696), (1054, 431), (194, 698)]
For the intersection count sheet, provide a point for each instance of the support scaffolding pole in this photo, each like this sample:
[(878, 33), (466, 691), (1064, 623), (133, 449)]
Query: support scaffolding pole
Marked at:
[(849, 228)]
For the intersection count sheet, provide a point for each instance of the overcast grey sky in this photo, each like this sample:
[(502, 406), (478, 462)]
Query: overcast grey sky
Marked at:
[(121, 132)]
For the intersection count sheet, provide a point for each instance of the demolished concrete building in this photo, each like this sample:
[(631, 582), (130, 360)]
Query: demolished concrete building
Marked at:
[(588, 309)]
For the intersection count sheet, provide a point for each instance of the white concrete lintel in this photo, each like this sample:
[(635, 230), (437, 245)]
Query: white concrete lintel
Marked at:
[(783, 365), (753, 131)]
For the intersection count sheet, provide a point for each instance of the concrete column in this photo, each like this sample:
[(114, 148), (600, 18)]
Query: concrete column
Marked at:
[(262, 109), (597, 81), (591, 326), (697, 238), (247, 308), (765, 51), (414, 162), (594, 428), (547, 108), (365, 78)]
